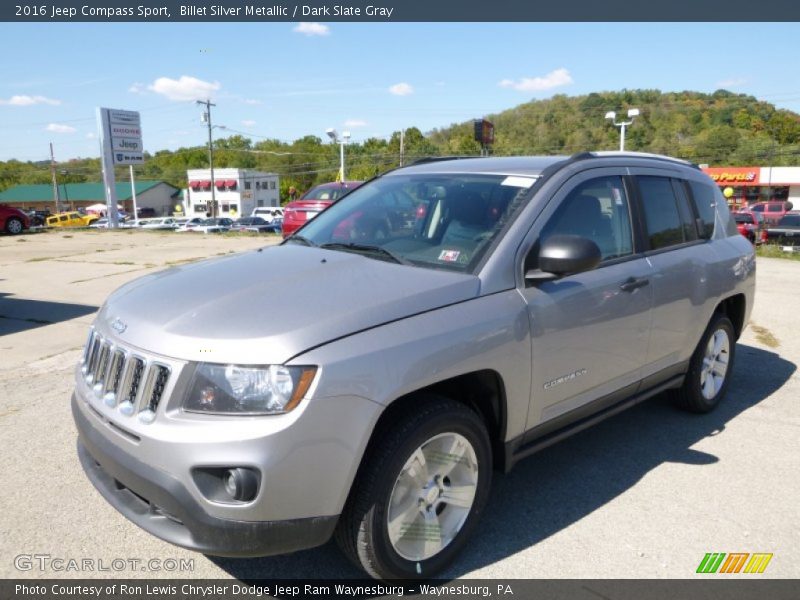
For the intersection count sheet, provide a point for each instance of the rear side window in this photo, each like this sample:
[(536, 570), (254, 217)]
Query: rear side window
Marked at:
[(664, 224), (790, 221), (703, 197)]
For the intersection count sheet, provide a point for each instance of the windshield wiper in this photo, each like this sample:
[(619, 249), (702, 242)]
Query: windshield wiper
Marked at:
[(300, 239), (376, 251)]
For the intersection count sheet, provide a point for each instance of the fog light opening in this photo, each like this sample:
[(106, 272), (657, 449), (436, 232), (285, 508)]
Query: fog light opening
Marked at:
[(241, 484)]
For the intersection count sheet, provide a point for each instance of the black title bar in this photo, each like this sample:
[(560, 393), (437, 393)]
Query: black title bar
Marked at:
[(401, 10)]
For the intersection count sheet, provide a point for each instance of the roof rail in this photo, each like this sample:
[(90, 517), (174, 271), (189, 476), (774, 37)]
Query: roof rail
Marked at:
[(430, 159), (617, 153)]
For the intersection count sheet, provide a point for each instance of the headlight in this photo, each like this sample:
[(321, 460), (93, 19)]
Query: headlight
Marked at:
[(236, 389)]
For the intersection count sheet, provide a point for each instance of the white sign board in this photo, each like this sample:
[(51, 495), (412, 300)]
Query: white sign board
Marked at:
[(123, 117), (126, 144), (128, 158), (125, 131)]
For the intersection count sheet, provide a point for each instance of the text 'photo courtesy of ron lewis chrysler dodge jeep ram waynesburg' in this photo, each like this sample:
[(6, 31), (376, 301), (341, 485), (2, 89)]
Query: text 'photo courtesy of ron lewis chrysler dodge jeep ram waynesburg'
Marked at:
[(438, 323)]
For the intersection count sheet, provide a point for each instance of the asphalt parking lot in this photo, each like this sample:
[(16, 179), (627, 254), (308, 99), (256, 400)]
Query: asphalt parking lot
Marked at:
[(645, 494)]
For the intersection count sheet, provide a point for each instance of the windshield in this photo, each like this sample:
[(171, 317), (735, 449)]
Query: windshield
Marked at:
[(435, 221)]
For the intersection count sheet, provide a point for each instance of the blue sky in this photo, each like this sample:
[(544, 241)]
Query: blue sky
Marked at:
[(287, 80)]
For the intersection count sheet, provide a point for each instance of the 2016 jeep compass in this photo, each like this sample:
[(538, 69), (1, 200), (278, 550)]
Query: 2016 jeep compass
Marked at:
[(442, 321)]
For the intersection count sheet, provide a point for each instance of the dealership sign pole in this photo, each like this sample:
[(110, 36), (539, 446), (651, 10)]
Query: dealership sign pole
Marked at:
[(120, 144)]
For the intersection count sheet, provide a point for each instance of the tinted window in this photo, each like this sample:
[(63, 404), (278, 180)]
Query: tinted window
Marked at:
[(664, 224), (743, 218), (598, 210), (703, 197), (757, 208)]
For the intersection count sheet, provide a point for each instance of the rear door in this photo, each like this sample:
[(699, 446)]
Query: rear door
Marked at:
[(677, 219), (589, 331)]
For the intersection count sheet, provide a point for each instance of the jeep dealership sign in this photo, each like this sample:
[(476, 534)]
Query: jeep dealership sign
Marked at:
[(120, 133)]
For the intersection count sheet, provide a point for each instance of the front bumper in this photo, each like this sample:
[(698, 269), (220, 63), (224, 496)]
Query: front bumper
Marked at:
[(160, 504)]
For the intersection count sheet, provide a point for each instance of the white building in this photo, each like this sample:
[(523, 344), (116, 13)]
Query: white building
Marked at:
[(236, 191)]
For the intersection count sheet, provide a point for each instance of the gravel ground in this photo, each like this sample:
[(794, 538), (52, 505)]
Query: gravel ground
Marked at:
[(643, 495)]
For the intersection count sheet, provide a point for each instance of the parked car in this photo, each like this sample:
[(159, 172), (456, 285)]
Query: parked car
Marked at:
[(210, 225), (393, 374), (786, 232), (160, 223), (770, 211), (145, 213), (189, 224), (13, 220), (71, 219), (38, 218), (268, 212), (257, 225), (750, 225), (310, 204)]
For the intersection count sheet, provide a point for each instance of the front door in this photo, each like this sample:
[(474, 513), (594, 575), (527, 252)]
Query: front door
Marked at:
[(589, 331)]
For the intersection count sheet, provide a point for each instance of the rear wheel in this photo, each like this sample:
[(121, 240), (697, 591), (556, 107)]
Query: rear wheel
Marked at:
[(420, 493), (14, 226), (710, 368)]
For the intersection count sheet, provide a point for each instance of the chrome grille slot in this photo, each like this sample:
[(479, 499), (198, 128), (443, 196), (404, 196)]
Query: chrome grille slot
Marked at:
[(101, 364), (114, 377), (130, 386), (87, 349), (157, 378), (94, 355)]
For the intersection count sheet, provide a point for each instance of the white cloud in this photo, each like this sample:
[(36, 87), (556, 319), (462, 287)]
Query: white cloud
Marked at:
[(310, 29), (185, 88), (91, 136), (252, 101), (731, 83), (355, 123), (401, 89), (552, 80), (29, 101), (137, 88), (248, 122), (57, 128)]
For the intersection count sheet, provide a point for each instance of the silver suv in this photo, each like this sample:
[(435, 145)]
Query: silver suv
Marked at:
[(440, 322)]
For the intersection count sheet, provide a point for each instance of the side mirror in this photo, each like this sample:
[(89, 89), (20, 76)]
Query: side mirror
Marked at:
[(563, 255)]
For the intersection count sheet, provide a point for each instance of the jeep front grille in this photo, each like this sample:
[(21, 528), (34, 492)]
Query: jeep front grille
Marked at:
[(122, 379)]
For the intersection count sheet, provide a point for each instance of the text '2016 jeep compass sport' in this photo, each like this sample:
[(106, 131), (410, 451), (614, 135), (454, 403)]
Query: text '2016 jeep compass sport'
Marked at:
[(440, 321)]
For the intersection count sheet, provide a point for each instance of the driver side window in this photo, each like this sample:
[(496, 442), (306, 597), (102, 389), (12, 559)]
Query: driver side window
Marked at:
[(598, 210)]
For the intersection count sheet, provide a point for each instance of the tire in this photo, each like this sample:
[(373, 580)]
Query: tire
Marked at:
[(398, 523), (14, 226), (710, 368)]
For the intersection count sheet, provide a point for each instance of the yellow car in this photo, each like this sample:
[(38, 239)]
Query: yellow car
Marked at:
[(70, 219)]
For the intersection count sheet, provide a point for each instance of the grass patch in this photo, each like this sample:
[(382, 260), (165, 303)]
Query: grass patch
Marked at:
[(22, 240), (40, 258), (66, 237), (99, 250), (765, 336), (183, 261), (773, 251), (123, 262)]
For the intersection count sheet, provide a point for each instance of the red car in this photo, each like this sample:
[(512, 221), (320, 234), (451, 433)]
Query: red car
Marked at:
[(13, 220), (771, 211), (314, 201), (750, 225)]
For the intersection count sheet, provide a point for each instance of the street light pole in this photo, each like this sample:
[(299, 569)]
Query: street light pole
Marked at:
[(632, 114), (207, 120), (341, 141)]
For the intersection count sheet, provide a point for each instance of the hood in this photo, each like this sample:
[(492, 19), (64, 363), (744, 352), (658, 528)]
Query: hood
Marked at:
[(265, 307)]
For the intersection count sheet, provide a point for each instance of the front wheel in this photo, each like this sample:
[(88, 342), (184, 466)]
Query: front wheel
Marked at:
[(420, 492), (14, 226), (710, 368)]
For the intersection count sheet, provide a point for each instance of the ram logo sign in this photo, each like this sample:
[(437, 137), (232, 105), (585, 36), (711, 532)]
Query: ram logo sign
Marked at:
[(735, 562)]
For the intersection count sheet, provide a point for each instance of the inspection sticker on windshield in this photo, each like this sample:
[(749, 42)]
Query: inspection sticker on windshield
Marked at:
[(449, 255), (523, 182)]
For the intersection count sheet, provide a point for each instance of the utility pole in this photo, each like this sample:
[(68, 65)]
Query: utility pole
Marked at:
[(55, 182), (133, 197), (402, 146), (207, 119)]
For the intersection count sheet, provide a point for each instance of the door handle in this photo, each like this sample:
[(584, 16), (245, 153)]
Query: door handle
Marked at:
[(633, 283)]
